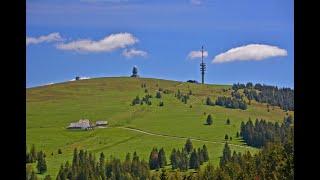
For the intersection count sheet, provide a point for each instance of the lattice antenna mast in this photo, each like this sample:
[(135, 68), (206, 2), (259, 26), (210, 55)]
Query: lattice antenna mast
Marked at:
[(202, 67)]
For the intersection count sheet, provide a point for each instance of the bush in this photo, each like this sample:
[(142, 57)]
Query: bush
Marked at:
[(209, 119), (226, 137), (158, 95)]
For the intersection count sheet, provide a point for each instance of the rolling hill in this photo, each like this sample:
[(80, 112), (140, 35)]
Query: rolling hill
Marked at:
[(51, 108)]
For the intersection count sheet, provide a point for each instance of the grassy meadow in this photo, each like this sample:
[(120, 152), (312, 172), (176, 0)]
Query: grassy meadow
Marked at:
[(50, 109)]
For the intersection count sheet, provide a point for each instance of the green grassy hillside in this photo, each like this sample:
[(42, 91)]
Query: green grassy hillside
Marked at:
[(51, 108)]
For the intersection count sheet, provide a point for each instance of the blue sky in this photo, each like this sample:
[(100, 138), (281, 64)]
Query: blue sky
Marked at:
[(166, 32)]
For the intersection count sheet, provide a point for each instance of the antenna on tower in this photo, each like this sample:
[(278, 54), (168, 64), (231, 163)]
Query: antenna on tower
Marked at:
[(202, 67)]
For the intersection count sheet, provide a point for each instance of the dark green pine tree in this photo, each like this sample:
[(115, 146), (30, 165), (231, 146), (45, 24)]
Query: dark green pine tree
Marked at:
[(200, 156), (101, 167), (209, 119), (188, 146), (226, 155), (61, 175), (228, 121), (205, 153), (162, 158), (194, 160), (158, 95), (173, 159), (41, 165), (153, 159), (134, 72), (226, 137)]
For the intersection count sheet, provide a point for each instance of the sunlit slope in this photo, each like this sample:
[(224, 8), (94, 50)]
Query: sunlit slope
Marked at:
[(51, 108)]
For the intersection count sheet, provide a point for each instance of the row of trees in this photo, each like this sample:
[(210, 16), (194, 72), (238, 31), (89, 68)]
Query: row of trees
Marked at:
[(229, 102), (183, 97), (84, 166), (282, 97), (262, 132), (157, 159), (274, 161), (188, 157), (39, 157)]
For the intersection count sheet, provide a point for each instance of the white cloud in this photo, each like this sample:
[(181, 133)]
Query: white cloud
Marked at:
[(107, 44), (251, 52), (48, 38), (133, 52), (197, 54), (196, 2)]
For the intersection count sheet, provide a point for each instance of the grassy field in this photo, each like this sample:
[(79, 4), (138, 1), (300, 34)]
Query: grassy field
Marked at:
[(51, 108)]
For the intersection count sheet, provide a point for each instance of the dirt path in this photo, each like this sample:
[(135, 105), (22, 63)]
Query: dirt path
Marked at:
[(181, 137)]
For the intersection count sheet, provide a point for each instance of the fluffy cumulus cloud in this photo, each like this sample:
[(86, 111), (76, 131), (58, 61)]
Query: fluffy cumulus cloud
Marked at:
[(107, 44), (47, 38), (133, 52), (197, 54), (251, 52)]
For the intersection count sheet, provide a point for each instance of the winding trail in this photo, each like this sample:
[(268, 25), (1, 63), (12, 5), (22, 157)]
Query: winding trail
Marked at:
[(181, 137)]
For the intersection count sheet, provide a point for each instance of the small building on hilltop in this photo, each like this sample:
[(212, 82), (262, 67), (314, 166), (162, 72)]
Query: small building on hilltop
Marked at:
[(81, 124)]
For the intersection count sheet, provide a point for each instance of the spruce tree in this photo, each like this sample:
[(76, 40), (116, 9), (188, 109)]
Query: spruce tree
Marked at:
[(41, 165), (205, 153), (209, 119), (200, 156), (162, 158), (158, 95), (228, 121), (194, 160), (226, 155), (188, 146), (173, 159), (153, 159), (226, 137)]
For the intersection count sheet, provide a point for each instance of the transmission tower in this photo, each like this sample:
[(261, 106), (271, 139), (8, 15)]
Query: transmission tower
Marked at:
[(202, 67)]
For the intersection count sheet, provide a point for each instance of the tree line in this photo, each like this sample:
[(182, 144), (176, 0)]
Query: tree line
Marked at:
[(188, 157), (183, 97), (282, 97), (85, 166), (261, 132), (229, 102), (39, 157)]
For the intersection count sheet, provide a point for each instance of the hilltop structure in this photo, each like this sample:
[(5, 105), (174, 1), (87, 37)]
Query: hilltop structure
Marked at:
[(202, 67)]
